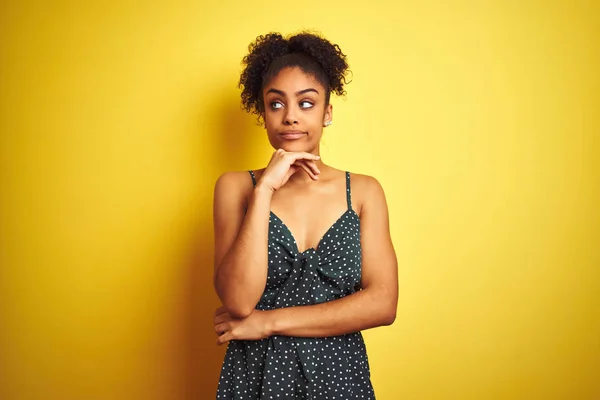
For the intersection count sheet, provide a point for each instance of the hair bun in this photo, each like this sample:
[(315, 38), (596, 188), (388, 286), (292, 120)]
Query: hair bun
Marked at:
[(270, 47)]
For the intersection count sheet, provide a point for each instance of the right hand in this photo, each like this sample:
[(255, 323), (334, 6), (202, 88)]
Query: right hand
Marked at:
[(284, 164)]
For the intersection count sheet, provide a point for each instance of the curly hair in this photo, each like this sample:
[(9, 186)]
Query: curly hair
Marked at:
[(271, 53)]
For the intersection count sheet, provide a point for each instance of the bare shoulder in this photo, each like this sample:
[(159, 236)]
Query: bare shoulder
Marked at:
[(233, 186), (234, 178), (364, 182), (366, 192)]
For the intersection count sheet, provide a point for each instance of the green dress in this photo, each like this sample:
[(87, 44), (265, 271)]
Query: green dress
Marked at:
[(285, 367)]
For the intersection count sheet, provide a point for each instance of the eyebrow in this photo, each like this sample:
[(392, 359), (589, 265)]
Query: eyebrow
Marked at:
[(298, 93)]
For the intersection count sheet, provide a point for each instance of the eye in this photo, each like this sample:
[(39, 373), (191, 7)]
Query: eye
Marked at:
[(275, 105), (306, 104)]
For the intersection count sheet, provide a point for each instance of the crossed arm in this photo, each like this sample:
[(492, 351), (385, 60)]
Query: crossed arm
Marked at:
[(374, 305)]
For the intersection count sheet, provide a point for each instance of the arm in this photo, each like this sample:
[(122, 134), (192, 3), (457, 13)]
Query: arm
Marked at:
[(240, 244), (374, 305), (241, 239)]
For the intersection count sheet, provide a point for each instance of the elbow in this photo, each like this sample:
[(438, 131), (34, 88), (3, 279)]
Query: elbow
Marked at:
[(385, 308), (389, 319), (389, 316), (236, 307), (239, 311)]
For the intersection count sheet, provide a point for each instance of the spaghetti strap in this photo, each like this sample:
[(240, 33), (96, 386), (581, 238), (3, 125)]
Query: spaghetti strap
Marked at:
[(253, 177), (348, 194)]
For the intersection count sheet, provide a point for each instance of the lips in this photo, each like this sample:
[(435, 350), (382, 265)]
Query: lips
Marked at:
[(291, 135)]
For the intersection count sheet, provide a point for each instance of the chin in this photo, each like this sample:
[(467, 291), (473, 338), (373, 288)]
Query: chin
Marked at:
[(293, 146), (296, 147)]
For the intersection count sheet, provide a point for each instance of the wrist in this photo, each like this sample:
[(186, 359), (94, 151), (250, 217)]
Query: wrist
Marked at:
[(271, 324), (263, 190)]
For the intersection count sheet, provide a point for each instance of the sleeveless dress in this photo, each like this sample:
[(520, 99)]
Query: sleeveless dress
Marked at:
[(289, 368)]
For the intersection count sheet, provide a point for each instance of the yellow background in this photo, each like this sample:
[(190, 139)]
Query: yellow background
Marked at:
[(480, 119)]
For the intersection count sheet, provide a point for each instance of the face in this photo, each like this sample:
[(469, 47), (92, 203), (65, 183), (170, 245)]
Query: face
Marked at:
[(295, 111)]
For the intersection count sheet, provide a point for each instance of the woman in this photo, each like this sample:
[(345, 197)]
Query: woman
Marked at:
[(303, 255)]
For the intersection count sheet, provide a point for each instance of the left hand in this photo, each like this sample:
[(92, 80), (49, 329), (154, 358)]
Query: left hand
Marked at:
[(253, 327)]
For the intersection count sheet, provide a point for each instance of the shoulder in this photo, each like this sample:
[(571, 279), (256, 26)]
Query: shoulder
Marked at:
[(233, 186), (364, 182), (233, 179), (367, 191)]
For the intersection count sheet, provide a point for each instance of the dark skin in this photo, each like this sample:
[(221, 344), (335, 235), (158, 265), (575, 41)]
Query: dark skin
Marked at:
[(308, 196)]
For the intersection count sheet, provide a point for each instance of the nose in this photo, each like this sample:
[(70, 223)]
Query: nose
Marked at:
[(290, 117)]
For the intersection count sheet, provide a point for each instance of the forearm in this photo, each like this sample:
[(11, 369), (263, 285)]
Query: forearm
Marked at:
[(359, 311), (242, 274)]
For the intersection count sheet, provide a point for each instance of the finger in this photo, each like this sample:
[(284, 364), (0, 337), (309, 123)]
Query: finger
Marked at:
[(312, 165), (293, 169), (310, 156), (307, 170), (302, 155), (224, 338), (225, 317), (221, 328), (221, 310), (278, 154)]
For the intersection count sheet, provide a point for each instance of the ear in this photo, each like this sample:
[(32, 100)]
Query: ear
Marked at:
[(328, 116)]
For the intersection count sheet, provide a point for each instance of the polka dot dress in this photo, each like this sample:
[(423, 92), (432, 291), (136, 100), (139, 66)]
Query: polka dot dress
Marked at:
[(284, 367)]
